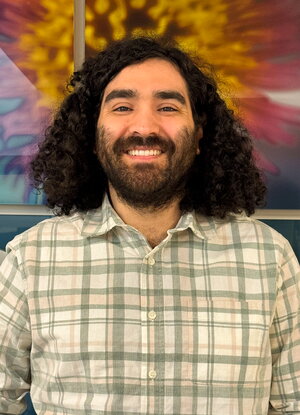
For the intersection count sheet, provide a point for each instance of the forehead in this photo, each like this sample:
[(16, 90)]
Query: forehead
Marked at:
[(154, 74)]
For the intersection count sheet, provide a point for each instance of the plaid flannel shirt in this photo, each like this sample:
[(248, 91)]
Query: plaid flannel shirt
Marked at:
[(94, 321)]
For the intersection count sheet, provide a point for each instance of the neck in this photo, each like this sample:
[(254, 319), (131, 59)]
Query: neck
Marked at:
[(152, 223)]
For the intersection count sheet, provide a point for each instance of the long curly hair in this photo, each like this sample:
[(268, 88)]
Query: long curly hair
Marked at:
[(223, 179)]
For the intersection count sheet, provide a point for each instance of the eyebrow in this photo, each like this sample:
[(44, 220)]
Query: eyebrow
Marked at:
[(120, 93), (171, 95), (130, 93)]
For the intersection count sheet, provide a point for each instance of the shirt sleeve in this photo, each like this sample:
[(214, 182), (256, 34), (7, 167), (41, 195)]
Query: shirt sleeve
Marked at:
[(15, 337), (285, 339)]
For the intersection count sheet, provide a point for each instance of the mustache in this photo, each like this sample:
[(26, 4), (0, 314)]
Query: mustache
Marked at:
[(122, 145)]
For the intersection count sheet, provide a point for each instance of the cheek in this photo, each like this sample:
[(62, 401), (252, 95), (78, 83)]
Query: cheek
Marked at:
[(171, 130), (105, 142), (114, 129), (174, 127)]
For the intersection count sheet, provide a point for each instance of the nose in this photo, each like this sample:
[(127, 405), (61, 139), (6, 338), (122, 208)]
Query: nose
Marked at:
[(144, 122)]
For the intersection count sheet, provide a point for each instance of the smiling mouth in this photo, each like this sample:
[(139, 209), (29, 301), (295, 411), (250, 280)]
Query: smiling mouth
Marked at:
[(144, 153)]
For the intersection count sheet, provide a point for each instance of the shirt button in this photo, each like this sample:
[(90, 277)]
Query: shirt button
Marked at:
[(152, 315), (151, 261), (152, 374)]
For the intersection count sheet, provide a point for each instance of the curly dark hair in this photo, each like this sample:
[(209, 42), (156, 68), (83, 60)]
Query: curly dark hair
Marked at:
[(223, 178)]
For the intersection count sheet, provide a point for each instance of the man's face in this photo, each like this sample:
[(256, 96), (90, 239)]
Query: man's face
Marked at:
[(147, 140)]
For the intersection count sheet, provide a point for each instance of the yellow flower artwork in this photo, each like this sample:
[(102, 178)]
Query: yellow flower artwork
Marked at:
[(253, 45)]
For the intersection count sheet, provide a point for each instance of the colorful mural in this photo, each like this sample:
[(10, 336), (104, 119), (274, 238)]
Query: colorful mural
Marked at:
[(253, 44), (35, 60)]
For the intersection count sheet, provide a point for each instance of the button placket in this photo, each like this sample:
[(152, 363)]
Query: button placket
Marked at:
[(148, 262)]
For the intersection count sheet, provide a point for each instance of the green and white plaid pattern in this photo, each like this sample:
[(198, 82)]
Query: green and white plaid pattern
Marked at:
[(93, 321)]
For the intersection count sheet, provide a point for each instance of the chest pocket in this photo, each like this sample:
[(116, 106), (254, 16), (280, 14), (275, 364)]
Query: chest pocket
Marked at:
[(228, 343)]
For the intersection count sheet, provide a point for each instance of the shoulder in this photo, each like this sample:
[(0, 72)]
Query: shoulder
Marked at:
[(244, 231), (48, 231), (250, 238)]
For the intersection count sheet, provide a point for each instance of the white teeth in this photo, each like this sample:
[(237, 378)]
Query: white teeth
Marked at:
[(144, 152)]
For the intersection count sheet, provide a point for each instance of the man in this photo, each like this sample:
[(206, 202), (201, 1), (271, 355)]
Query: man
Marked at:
[(152, 291)]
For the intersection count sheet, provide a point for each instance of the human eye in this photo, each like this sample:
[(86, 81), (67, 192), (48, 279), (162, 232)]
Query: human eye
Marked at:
[(167, 109), (122, 108)]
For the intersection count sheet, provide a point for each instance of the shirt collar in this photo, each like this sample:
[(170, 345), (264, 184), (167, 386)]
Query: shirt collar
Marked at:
[(102, 220), (202, 227)]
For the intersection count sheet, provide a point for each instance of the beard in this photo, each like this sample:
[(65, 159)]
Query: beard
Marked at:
[(148, 185)]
